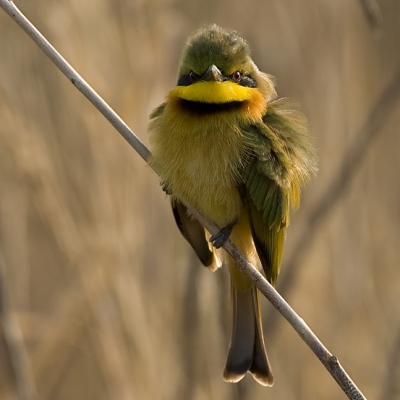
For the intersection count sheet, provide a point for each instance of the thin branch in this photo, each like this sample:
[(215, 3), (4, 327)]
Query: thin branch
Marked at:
[(11, 9), (328, 360)]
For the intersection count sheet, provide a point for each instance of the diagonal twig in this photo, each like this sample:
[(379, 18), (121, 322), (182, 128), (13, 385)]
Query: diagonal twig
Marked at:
[(10, 8), (328, 360)]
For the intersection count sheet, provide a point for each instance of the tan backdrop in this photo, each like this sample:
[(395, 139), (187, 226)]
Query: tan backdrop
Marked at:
[(101, 298)]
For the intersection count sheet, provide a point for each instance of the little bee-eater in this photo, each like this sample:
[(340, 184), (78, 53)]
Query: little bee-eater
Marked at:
[(224, 143)]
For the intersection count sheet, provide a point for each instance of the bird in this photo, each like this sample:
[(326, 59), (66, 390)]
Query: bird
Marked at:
[(224, 143)]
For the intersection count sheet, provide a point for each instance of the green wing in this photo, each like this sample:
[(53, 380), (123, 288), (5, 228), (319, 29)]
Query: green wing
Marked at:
[(281, 160), (265, 203), (193, 232)]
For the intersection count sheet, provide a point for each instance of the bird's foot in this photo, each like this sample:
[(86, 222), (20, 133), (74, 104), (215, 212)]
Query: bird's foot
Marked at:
[(222, 235), (164, 187)]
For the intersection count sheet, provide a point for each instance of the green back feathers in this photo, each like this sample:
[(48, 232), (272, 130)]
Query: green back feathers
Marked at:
[(283, 152), (283, 160)]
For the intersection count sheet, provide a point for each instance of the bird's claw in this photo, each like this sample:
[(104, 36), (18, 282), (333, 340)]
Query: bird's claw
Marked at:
[(221, 236), (164, 187)]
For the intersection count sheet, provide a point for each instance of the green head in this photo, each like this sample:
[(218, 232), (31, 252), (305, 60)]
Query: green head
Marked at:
[(216, 54), (213, 45)]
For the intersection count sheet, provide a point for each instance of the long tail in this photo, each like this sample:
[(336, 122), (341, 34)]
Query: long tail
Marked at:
[(246, 349)]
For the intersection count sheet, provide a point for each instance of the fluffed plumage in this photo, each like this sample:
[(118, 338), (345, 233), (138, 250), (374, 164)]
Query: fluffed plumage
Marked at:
[(224, 143)]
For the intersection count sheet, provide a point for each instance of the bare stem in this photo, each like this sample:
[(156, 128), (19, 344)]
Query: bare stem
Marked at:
[(330, 362), (11, 9)]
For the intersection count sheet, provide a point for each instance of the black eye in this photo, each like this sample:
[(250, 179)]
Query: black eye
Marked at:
[(237, 76), (193, 76)]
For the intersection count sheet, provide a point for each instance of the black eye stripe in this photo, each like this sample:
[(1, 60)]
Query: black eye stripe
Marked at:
[(184, 80), (247, 81)]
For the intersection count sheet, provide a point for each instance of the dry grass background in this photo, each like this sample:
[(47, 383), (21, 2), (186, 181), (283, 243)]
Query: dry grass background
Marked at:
[(100, 296)]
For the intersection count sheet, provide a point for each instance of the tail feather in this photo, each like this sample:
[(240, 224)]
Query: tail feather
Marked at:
[(260, 369), (241, 346), (246, 349)]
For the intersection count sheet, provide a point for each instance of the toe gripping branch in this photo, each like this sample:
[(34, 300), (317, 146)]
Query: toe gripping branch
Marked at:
[(164, 187), (222, 235)]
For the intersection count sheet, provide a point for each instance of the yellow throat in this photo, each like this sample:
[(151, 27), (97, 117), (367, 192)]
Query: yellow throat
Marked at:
[(213, 92)]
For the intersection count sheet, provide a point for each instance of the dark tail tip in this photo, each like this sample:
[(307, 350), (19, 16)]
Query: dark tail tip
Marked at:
[(262, 376), (233, 376), (260, 371), (237, 364), (247, 350)]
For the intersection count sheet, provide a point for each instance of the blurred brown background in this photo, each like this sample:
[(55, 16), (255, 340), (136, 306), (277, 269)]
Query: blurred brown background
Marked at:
[(101, 298)]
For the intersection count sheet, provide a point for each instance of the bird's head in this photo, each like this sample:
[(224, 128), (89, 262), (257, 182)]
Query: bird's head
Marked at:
[(216, 67)]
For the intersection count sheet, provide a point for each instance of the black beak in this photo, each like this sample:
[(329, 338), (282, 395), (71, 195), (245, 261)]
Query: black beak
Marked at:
[(213, 74)]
